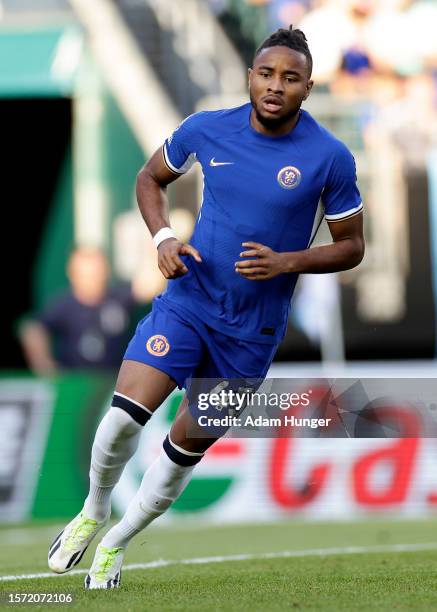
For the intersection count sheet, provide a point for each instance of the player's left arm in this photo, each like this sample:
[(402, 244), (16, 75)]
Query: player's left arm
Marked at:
[(345, 252)]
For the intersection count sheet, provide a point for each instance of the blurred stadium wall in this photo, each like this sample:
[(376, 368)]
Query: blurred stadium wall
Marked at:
[(88, 90)]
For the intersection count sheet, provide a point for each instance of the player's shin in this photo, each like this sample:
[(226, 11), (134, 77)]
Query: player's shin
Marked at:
[(162, 484), (115, 442)]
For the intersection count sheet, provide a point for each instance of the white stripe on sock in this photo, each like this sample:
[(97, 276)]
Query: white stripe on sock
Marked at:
[(183, 451), (133, 402)]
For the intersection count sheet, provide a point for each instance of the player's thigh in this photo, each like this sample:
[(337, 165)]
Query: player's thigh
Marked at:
[(144, 384), (231, 358), (186, 433), (164, 351), (242, 364)]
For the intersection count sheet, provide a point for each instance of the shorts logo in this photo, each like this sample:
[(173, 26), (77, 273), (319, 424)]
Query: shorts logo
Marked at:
[(289, 177), (158, 346)]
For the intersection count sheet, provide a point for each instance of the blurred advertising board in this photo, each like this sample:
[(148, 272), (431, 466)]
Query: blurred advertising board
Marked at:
[(25, 412), (266, 478), (47, 431)]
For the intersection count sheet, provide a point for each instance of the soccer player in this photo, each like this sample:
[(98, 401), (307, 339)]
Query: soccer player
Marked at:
[(270, 173)]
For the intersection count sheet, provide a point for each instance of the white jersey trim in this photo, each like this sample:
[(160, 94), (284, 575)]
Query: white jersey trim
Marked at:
[(191, 159), (345, 214), (318, 218)]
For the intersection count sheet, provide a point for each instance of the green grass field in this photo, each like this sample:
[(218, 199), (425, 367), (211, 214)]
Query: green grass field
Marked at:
[(324, 566)]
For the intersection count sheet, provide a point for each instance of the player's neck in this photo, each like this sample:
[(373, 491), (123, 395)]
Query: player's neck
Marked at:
[(280, 130), (89, 297)]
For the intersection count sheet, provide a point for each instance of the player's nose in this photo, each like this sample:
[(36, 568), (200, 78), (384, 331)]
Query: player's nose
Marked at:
[(275, 86)]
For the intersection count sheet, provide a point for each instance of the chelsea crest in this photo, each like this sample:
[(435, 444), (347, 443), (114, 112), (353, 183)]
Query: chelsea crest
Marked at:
[(289, 177)]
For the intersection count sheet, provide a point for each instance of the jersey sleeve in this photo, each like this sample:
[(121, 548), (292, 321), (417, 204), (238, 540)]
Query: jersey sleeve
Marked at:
[(180, 149), (340, 197)]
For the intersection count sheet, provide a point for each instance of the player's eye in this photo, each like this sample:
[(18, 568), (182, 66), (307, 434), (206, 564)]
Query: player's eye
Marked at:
[(265, 74)]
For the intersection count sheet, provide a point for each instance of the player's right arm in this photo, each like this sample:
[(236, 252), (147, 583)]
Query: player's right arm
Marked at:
[(152, 181)]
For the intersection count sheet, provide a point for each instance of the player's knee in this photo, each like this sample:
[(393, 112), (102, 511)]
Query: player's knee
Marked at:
[(137, 412), (122, 421)]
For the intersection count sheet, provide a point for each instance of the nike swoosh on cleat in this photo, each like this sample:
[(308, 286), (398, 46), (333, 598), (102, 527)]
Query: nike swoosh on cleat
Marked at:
[(214, 163)]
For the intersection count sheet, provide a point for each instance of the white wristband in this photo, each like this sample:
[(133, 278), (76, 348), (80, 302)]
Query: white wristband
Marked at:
[(163, 234)]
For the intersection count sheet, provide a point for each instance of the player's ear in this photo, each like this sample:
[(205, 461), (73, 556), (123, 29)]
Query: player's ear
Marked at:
[(249, 73), (309, 87)]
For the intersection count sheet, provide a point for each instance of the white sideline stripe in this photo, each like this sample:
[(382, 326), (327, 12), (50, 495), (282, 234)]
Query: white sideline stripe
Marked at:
[(310, 552)]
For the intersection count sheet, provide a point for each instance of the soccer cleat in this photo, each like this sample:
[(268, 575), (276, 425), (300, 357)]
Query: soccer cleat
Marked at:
[(105, 572), (69, 546)]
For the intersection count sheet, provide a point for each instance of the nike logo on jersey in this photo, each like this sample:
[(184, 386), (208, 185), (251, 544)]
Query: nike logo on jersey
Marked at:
[(214, 163)]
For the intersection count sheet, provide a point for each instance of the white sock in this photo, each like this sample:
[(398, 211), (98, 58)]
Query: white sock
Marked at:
[(115, 442), (163, 482)]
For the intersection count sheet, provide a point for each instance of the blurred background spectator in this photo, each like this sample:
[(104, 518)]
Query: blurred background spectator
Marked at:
[(87, 326)]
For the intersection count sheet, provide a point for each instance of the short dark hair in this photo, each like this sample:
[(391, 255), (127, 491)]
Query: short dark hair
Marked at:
[(293, 39)]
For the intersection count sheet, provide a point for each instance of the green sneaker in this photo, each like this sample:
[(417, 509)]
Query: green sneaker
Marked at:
[(105, 572), (69, 546)]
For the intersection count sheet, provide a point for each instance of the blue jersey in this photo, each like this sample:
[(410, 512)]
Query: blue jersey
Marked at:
[(266, 189)]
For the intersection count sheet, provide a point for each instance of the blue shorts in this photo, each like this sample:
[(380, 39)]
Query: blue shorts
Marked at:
[(184, 347)]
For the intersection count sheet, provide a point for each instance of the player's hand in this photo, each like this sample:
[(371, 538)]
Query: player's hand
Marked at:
[(169, 262), (265, 262)]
